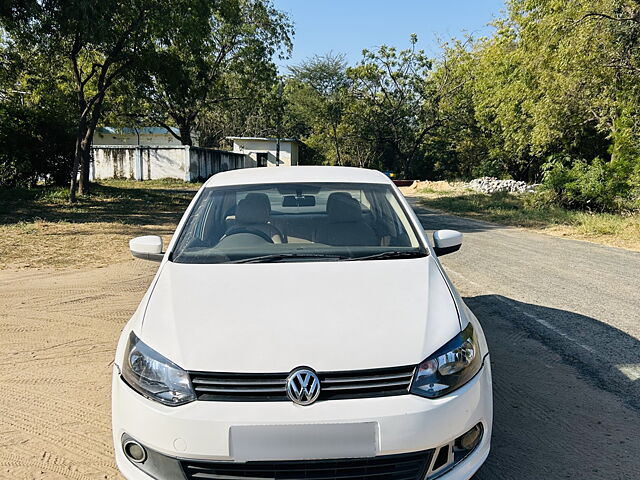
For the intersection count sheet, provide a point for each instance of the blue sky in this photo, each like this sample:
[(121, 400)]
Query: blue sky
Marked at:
[(348, 26)]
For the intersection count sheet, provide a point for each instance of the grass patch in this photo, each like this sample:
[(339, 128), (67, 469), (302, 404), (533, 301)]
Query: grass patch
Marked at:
[(40, 228), (523, 210)]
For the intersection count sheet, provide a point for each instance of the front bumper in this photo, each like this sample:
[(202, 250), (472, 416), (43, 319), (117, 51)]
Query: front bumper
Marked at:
[(406, 423)]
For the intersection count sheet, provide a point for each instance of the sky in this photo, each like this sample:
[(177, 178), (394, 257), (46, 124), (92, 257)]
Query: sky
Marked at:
[(348, 26)]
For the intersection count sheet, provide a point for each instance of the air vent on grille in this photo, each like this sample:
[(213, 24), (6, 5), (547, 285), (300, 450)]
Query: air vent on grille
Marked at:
[(406, 466), (271, 387)]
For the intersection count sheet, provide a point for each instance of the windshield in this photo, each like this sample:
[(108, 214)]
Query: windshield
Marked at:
[(296, 222)]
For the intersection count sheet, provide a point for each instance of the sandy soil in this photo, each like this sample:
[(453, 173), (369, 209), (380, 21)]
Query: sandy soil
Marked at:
[(58, 331)]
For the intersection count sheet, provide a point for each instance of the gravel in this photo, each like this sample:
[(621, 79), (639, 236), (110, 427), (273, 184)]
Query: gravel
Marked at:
[(493, 185)]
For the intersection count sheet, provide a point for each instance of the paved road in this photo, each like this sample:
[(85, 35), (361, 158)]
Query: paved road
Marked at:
[(562, 319)]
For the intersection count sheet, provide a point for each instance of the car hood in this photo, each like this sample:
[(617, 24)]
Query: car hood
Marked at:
[(273, 317)]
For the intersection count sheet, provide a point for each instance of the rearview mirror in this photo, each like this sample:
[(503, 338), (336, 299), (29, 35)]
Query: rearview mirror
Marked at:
[(298, 201), (446, 241), (148, 247)]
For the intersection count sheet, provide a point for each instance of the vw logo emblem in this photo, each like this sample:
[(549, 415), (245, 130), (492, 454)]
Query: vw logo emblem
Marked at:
[(303, 386)]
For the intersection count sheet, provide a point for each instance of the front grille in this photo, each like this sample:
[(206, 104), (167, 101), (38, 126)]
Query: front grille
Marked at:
[(406, 466), (271, 387)]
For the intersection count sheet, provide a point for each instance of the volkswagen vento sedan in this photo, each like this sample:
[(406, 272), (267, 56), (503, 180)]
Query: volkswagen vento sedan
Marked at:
[(300, 326)]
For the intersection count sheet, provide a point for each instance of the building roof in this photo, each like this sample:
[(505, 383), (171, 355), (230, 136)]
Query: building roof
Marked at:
[(282, 174), (132, 131), (264, 139)]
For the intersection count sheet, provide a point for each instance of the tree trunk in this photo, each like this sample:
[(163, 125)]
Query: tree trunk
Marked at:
[(77, 159), (184, 121), (336, 143), (83, 187), (185, 134), (85, 152), (406, 167)]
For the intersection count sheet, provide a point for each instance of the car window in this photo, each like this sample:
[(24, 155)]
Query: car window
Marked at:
[(296, 222)]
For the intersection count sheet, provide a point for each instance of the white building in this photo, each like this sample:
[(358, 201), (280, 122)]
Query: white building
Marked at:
[(262, 152), (150, 162), (149, 153)]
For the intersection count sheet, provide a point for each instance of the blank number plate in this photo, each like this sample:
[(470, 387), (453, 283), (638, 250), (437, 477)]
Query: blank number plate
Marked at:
[(302, 442)]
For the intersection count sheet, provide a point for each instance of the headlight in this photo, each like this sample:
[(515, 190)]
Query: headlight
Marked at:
[(450, 367), (154, 376)]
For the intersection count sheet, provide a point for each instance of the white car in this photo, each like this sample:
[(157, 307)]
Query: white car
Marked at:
[(300, 326)]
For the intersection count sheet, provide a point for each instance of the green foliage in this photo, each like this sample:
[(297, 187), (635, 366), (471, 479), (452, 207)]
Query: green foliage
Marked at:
[(401, 96), (35, 145), (125, 61), (98, 43), (553, 95), (36, 119), (317, 99), (600, 185), (557, 80), (215, 56)]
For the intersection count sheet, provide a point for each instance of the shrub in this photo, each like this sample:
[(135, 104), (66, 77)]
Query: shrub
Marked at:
[(597, 186), (35, 144)]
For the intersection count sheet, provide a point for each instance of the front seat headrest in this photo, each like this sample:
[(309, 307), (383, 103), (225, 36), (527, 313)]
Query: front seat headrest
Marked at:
[(342, 207), (254, 208)]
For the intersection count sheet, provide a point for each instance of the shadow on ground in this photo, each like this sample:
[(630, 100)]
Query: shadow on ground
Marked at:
[(106, 203), (435, 220), (553, 418)]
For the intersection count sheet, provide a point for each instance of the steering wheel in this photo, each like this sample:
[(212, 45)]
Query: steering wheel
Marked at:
[(250, 230), (277, 231)]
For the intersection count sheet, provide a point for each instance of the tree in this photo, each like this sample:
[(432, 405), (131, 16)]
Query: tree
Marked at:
[(214, 55), (552, 95), (318, 90), (101, 41), (251, 111), (362, 145), (459, 146), (36, 118), (543, 91), (403, 96)]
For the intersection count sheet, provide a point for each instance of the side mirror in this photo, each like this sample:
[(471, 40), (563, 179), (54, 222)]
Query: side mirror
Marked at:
[(148, 247), (446, 241)]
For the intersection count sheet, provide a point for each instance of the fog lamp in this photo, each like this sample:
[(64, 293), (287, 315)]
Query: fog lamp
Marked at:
[(134, 451), (470, 440)]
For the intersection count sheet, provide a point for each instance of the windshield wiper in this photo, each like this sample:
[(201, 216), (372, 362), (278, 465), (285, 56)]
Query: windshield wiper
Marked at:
[(392, 254), (284, 256)]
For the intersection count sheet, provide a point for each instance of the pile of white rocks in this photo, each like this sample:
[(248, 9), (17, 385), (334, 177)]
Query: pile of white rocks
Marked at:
[(493, 185)]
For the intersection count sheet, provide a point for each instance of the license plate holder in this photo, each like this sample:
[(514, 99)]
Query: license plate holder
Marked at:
[(303, 442)]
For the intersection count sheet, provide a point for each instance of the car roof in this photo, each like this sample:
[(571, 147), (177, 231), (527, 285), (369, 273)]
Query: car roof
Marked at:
[(259, 175)]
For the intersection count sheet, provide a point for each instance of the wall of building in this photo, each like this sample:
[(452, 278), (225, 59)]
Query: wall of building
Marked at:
[(151, 163), (294, 154), (113, 163), (251, 147), (205, 162)]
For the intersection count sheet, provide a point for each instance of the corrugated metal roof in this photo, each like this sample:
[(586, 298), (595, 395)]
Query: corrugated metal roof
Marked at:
[(132, 131), (264, 139)]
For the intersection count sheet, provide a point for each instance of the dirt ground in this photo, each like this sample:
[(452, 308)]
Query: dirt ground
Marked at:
[(58, 331)]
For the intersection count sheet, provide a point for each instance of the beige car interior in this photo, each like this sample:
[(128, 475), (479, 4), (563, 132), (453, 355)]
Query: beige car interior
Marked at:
[(343, 224)]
